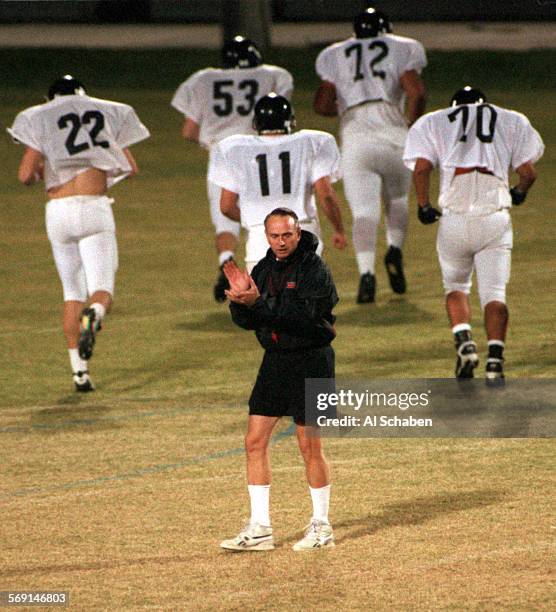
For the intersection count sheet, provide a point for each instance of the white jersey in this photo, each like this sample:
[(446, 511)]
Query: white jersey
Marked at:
[(473, 135), (369, 69), (221, 100), (75, 133), (272, 171)]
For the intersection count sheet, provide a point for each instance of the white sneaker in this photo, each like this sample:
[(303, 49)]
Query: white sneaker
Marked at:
[(252, 537), (318, 535)]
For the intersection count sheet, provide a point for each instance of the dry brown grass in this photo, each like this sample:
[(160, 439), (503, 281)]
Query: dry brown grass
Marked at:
[(126, 512)]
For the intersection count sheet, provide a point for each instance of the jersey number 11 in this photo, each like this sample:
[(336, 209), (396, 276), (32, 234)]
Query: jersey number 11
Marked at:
[(284, 157)]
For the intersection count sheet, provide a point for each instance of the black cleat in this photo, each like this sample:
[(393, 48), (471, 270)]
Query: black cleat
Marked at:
[(83, 382), (367, 287), (467, 359), (221, 284), (394, 266), (494, 371), (89, 328)]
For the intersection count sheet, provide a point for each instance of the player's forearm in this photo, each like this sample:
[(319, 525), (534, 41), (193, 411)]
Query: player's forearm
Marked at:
[(421, 180), (331, 209), (416, 94), (527, 176), (325, 100), (31, 167), (191, 131), (229, 206), (232, 212), (415, 107)]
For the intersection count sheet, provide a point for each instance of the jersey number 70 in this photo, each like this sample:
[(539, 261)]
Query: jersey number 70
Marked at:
[(481, 135)]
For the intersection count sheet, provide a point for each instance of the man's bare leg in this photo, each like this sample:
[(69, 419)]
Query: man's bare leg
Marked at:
[(91, 318), (259, 431), (79, 366), (319, 533), (496, 324), (257, 534), (459, 314)]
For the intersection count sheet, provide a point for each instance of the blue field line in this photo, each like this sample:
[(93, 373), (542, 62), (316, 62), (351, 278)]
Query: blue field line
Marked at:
[(90, 421), (155, 469)]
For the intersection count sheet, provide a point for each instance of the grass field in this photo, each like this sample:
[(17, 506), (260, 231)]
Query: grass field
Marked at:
[(122, 496)]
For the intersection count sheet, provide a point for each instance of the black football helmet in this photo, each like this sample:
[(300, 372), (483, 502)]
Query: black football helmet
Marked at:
[(273, 113), (371, 22), (240, 52), (66, 86), (468, 95)]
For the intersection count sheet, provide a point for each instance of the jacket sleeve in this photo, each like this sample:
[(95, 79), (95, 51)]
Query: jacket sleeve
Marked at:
[(244, 317), (307, 313)]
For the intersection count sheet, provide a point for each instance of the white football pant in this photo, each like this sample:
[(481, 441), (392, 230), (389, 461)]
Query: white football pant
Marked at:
[(82, 233), (369, 168), (220, 221), (484, 244)]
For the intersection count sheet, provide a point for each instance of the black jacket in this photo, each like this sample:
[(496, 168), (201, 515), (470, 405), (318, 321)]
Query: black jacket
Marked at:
[(294, 312)]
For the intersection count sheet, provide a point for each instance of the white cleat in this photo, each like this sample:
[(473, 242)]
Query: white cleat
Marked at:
[(318, 535), (252, 537)]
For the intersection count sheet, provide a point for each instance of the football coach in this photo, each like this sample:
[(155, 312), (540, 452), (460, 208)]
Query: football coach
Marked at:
[(288, 301)]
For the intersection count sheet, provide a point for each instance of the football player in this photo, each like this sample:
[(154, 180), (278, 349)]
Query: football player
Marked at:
[(474, 143), (366, 80), (79, 146), (277, 168), (219, 102)]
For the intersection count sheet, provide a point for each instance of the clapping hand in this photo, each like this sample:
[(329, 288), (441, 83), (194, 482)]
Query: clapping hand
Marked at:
[(238, 279), (242, 287)]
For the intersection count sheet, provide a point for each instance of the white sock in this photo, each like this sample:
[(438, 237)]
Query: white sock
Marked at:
[(260, 504), (321, 501), (496, 343), (224, 256), (461, 327), (100, 311), (365, 262), (77, 364)]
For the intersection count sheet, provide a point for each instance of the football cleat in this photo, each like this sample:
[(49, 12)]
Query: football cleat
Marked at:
[(318, 534), (251, 538), (367, 287), (83, 382), (494, 371), (467, 359), (394, 267), (89, 327)]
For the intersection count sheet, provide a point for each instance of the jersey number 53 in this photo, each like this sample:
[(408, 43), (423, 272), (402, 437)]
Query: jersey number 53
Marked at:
[(224, 98)]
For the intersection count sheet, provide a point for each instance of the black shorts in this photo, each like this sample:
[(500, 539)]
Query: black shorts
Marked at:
[(280, 386)]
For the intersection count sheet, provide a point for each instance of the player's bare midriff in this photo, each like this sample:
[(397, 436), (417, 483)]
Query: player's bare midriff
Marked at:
[(90, 182)]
